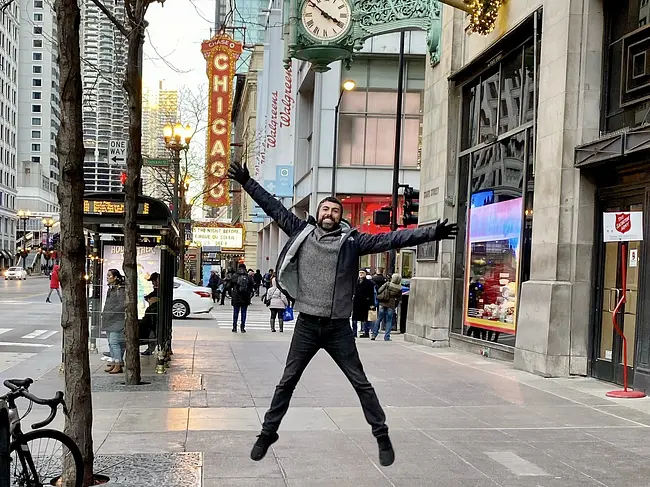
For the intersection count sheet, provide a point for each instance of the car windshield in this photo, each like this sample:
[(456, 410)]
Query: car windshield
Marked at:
[(15, 268)]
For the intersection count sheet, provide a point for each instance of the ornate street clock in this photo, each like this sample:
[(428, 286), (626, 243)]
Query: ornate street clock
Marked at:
[(326, 20), (324, 31)]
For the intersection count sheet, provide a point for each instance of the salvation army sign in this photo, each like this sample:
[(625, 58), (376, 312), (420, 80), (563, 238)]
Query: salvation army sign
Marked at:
[(623, 226)]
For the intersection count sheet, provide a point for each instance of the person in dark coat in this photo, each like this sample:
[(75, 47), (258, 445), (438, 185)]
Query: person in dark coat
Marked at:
[(241, 293), (148, 324), (364, 299), (214, 283), (318, 268), (257, 278)]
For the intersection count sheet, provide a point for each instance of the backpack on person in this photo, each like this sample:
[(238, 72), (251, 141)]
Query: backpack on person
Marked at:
[(243, 285)]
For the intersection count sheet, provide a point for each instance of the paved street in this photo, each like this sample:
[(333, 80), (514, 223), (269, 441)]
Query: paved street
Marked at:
[(456, 419)]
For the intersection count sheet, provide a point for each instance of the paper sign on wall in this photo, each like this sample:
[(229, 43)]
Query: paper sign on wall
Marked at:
[(623, 226), (634, 258)]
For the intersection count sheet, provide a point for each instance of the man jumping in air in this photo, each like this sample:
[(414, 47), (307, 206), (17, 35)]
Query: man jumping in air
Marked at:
[(318, 268)]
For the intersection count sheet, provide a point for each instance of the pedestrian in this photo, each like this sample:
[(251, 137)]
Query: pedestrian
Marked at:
[(266, 282), (318, 268), (214, 283), (363, 302), (154, 279), (277, 303), (379, 279), (113, 320), (225, 289), (54, 283), (389, 296), (148, 324), (241, 293), (257, 279)]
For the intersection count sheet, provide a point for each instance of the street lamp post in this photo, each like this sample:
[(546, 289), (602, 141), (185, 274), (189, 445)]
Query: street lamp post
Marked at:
[(177, 139), (47, 223), (24, 215), (348, 85)]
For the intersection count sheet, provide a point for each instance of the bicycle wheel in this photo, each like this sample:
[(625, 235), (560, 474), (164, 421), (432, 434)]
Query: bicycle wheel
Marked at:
[(37, 459), (4, 447)]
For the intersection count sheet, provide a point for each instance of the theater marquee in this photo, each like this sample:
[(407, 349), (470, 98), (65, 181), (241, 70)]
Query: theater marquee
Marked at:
[(221, 53)]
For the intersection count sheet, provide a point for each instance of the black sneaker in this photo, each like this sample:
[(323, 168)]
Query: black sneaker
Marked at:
[(261, 446), (386, 452), (243, 330), (234, 330)]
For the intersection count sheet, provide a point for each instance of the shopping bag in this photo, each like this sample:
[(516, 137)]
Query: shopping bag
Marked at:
[(372, 315), (288, 314)]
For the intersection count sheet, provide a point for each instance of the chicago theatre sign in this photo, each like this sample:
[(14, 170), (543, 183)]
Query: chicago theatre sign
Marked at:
[(221, 53)]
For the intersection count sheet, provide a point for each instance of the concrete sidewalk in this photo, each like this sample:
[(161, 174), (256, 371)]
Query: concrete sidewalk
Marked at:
[(456, 419)]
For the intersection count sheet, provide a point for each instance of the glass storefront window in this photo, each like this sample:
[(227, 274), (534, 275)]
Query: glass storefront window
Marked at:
[(489, 107), (511, 93), (496, 197)]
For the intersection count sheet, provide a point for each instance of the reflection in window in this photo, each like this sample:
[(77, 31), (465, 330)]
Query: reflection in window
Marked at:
[(528, 89), (510, 93), (489, 107), (380, 146), (352, 130), (469, 120)]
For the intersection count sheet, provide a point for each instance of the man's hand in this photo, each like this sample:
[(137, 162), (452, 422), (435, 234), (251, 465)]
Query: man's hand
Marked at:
[(238, 172), (445, 231)]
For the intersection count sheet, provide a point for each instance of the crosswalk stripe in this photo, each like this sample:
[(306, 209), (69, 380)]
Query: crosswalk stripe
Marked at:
[(35, 334), (5, 330), (17, 344), (48, 334)]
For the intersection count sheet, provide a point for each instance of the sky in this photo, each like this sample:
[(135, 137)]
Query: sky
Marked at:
[(173, 45)]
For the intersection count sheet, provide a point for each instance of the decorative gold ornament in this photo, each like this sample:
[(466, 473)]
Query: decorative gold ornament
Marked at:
[(483, 15)]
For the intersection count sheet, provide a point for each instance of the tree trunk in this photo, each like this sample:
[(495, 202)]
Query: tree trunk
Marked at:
[(74, 315), (133, 87)]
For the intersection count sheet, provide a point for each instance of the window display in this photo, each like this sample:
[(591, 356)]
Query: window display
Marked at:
[(492, 264)]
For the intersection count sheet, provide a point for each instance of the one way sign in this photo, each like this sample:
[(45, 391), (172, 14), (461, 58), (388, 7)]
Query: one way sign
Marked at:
[(117, 151)]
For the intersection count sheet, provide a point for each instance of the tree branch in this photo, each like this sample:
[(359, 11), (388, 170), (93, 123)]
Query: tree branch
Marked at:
[(112, 18)]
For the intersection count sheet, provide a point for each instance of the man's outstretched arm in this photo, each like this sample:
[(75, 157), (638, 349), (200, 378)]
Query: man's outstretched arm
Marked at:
[(371, 244), (286, 220)]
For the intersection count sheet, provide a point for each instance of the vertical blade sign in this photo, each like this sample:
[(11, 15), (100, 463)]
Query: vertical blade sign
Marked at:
[(221, 53)]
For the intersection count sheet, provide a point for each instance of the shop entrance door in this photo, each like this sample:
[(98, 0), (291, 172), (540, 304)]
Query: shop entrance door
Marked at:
[(608, 345)]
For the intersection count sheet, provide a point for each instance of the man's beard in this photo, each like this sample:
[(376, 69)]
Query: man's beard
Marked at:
[(329, 225)]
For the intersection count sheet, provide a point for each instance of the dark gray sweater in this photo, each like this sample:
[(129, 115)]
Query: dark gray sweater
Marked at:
[(317, 260)]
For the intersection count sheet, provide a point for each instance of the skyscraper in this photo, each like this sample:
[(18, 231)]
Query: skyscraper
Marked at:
[(38, 110), (8, 127), (105, 114)]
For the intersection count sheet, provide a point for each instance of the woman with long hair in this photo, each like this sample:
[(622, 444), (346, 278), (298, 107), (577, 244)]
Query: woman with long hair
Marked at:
[(113, 320)]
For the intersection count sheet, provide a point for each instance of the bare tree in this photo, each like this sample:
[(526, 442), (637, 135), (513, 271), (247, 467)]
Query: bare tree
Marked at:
[(74, 315), (134, 31)]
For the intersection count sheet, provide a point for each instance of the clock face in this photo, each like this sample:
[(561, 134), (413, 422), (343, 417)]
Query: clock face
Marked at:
[(326, 20)]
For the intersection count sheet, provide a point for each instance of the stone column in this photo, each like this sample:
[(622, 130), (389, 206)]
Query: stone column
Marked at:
[(429, 314), (553, 320)]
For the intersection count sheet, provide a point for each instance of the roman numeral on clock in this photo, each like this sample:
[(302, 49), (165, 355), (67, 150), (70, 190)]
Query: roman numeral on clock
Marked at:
[(325, 33), (310, 24), (316, 30)]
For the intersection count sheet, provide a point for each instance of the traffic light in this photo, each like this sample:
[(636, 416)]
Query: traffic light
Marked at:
[(411, 206), (381, 217)]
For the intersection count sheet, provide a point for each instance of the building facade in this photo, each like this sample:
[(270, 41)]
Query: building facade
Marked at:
[(9, 59), (105, 114), (39, 115), (245, 120), (535, 141), (358, 166)]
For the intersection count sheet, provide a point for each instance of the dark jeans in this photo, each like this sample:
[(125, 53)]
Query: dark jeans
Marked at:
[(235, 316), (335, 336)]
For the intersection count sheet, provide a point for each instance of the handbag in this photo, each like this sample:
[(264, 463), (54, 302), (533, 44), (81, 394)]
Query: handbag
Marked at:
[(288, 314), (372, 315)]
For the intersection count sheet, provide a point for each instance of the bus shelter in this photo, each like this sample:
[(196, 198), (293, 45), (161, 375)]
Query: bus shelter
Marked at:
[(158, 248)]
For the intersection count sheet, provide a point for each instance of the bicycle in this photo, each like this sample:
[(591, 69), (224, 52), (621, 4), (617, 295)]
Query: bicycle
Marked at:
[(18, 463)]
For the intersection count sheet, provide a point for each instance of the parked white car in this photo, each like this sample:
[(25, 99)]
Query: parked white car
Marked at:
[(16, 273), (190, 299)]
